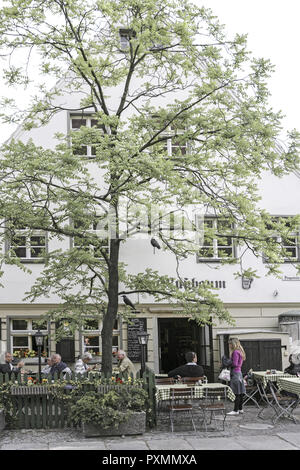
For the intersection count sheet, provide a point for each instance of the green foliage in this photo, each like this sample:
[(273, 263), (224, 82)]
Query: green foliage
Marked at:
[(108, 409), (178, 76), (93, 409), (91, 400)]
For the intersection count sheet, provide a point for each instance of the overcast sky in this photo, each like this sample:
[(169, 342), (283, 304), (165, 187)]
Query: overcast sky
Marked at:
[(273, 33)]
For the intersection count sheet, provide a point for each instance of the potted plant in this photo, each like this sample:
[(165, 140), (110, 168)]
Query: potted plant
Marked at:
[(28, 355), (118, 411)]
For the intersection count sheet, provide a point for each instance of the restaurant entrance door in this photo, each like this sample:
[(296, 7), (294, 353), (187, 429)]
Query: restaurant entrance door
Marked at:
[(176, 336)]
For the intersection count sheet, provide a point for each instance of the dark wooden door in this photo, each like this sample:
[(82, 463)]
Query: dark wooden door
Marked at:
[(66, 348), (262, 354)]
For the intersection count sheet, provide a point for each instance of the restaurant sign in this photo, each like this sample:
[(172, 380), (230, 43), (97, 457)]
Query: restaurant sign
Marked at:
[(193, 283)]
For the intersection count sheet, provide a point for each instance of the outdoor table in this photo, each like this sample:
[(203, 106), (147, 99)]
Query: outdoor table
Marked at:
[(163, 392), (264, 378), (290, 403), (268, 394), (289, 384)]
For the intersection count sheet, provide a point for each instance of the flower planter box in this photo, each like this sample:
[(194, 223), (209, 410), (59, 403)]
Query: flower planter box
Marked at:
[(32, 360), (136, 424)]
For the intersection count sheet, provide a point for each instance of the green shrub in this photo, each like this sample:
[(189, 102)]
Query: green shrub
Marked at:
[(110, 408)]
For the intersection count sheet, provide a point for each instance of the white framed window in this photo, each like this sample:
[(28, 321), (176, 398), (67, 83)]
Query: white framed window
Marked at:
[(91, 337), (289, 244), (28, 245), (22, 341), (83, 120), (175, 143), (125, 36), (97, 230), (217, 242)]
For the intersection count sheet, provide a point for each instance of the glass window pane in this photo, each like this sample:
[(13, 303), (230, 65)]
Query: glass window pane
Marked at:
[(19, 324), (37, 252), (92, 344), (20, 341), (42, 326), (91, 325), (225, 252), (95, 123), (20, 252), (38, 240), (290, 252), (77, 123), (80, 150), (18, 240), (206, 252)]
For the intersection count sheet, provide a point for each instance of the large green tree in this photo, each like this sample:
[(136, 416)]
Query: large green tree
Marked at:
[(171, 74)]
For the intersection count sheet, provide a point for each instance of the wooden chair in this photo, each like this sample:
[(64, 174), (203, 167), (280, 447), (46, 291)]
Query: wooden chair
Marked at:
[(164, 380), (213, 406), (181, 404), (191, 380)]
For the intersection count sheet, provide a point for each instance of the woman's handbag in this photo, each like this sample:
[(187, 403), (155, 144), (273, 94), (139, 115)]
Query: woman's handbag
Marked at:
[(224, 375)]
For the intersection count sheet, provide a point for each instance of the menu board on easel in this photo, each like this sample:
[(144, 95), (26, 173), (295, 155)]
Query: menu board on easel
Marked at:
[(134, 348)]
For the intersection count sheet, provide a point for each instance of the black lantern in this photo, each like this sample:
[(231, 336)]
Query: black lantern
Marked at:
[(143, 337), (39, 339)]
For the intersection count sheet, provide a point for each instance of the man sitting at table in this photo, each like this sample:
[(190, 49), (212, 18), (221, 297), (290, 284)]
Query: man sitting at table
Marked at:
[(8, 368), (190, 369), (58, 366)]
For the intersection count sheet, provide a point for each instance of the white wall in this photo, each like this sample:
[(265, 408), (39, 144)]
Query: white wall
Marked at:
[(280, 196)]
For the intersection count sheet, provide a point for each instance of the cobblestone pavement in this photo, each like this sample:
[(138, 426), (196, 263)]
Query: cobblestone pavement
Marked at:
[(243, 432)]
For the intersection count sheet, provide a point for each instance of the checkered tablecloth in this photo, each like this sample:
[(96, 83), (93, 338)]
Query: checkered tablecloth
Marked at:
[(263, 377), (288, 384), (163, 392)]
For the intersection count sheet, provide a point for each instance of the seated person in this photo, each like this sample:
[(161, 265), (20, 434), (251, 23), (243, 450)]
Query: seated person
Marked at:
[(190, 369), (46, 370), (8, 368), (293, 369), (58, 365), (81, 366), (125, 365)]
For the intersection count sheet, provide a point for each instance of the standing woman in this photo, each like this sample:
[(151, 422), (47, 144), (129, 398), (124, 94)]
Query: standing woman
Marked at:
[(236, 379)]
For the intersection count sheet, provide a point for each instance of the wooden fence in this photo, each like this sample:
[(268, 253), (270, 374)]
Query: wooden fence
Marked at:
[(35, 407)]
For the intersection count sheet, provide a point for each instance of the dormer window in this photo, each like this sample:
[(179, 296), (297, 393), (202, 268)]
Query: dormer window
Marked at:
[(125, 36)]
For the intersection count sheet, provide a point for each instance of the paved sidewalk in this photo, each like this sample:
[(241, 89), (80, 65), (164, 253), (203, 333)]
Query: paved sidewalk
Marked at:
[(244, 432)]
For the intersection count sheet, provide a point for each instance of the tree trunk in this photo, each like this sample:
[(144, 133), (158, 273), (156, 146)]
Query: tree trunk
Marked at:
[(112, 307)]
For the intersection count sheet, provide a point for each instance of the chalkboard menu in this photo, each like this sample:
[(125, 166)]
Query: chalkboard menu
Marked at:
[(134, 348)]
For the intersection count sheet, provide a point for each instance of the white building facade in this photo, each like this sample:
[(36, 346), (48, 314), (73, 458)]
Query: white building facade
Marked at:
[(265, 311)]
